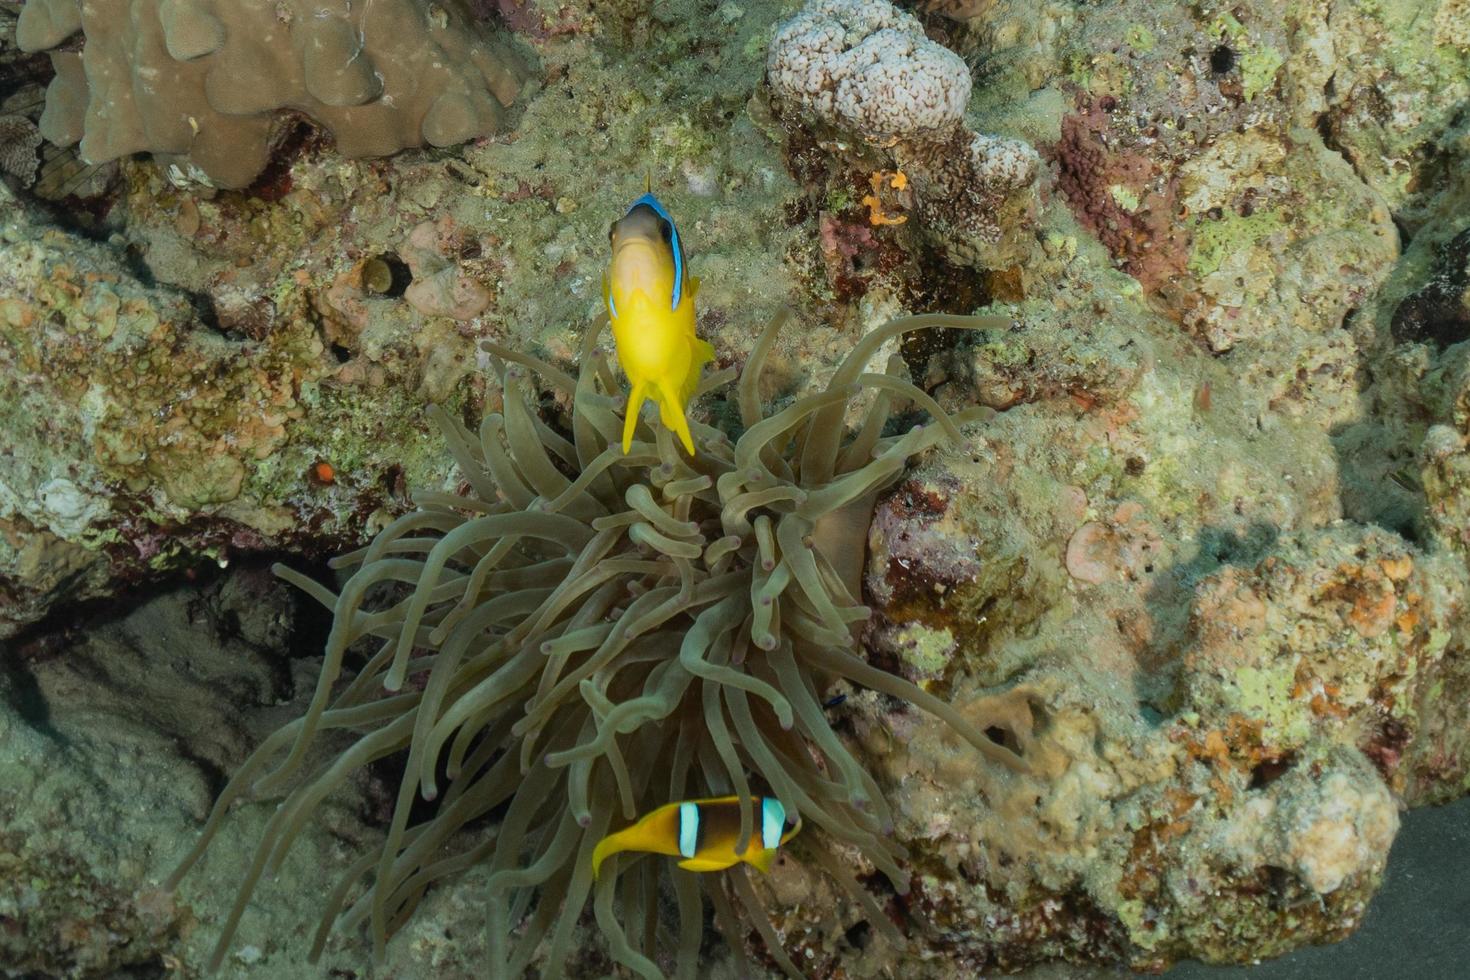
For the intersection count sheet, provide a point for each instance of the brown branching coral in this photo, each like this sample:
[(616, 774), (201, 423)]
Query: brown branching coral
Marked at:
[(587, 635)]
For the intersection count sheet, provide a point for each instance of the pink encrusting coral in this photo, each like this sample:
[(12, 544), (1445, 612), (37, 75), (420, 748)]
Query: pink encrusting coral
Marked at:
[(1100, 177)]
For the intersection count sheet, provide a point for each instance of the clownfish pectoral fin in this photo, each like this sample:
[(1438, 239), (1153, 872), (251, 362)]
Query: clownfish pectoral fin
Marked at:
[(705, 864), (630, 417), (760, 859), (700, 354), (671, 404)]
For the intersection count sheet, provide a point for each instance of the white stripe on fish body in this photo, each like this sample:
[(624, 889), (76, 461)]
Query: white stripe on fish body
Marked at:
[(688, 829)]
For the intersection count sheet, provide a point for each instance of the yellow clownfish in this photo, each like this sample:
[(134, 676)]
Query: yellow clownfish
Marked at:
[(704, 833), (650, 300)]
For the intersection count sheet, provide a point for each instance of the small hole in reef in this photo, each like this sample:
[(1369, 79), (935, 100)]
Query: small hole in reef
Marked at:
[(1222, 59), (397, 280), (1003, 736), (394, 482), (859, 934), (1278, 882), (1268, 771), (341, 354)]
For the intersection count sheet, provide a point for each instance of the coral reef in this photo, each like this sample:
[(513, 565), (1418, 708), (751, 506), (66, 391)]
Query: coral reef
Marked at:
[(867, 71), (1172, 813), (124, 422), (201, 85), (1209, 538), (57, 919)]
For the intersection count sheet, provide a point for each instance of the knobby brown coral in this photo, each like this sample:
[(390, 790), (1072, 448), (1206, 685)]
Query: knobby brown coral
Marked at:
[(204, 82), (585, 635)]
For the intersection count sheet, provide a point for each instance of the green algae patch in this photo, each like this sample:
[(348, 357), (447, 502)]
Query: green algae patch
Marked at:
[(1265, 694), (926, 650), (1144, 927), (1258, 68), (1125, 196), (1259, 63), (1215, 241), (1141, 39)]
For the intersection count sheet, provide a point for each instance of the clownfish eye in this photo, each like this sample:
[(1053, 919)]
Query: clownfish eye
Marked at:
[(665, 231)]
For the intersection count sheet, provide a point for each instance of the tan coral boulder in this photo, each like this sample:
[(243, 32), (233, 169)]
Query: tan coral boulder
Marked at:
[(203, 85)]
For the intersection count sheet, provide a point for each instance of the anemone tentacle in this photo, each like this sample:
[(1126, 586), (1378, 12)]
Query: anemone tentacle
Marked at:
[(582, 621)]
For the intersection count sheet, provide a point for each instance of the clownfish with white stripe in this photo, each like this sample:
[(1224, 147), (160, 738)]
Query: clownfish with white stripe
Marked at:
[(650, 301), (703, 833)]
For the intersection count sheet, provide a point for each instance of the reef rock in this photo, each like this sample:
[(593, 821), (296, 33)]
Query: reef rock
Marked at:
[(1206, 767), (202, 85), (1234, 690), (134, 441), (110, 742)]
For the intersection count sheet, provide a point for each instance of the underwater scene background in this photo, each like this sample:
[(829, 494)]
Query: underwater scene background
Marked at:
[(1046, 551)]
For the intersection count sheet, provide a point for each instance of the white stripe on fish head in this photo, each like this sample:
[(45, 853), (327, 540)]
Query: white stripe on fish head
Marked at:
[(773, 821)]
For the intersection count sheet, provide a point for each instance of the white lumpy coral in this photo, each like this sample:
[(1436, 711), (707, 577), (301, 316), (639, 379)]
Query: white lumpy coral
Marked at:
[(1342, 827), (868, 67), (1328, 822), (864, 69)]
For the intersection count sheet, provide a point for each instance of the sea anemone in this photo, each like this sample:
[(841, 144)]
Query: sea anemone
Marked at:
[(585, 635)]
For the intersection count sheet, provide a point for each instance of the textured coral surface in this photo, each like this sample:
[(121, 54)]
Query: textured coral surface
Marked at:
[(1213, 541), (203, 82)]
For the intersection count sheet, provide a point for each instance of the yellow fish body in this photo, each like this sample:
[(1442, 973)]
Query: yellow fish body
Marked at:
[(650, 301), (704, 834)]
